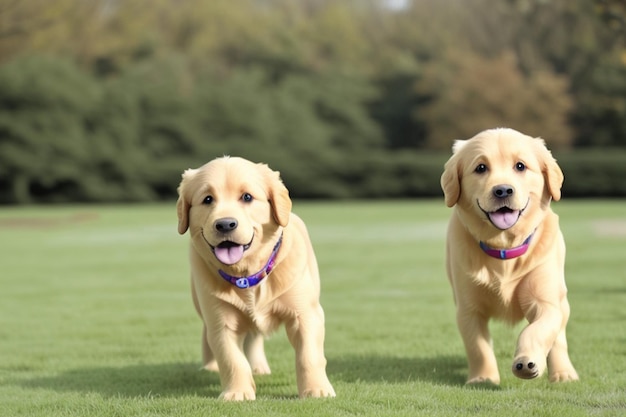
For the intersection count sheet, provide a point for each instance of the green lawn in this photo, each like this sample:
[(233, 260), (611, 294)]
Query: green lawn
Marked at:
[(96, 318)]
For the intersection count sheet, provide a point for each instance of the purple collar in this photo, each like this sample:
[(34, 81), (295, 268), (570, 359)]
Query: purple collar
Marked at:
[(507, 253), (254, 279)]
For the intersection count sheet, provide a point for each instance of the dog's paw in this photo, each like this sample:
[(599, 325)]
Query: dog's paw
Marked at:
[(525, 368), (318, 392), (238, 395), (259, 365), (483, 380), (260, 369), (211, 366), (568, 375)]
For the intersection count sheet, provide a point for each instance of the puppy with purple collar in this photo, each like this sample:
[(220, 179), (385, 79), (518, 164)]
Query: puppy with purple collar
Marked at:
[(252, 269), (505, 252)]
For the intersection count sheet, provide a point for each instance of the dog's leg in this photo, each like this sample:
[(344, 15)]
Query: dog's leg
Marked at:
[(559, 365), (208, 359), (306, 334), (234, 369), (474, 329), (225, 338), (544, 303), (535, 341), (255, 352)]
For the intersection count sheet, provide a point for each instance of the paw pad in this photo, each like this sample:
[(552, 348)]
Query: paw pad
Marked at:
[(525, 368)]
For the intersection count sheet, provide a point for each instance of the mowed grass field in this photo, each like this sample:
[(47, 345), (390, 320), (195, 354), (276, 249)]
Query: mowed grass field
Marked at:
[(96, 318)]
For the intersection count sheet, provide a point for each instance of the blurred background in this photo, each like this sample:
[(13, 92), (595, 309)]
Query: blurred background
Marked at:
[(110, 100)]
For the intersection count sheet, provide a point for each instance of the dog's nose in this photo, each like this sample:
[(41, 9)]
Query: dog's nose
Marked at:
[(227, 224), (503, 190)]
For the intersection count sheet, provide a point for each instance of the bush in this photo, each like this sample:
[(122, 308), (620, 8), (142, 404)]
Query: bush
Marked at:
[(44, 146), (66, 136), (593, 173), (470, 92)]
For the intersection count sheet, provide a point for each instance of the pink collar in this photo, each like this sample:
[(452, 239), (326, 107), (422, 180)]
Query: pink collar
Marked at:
[(507, 253)]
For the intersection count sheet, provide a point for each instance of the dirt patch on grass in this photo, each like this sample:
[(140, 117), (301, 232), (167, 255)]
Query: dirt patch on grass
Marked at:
[(46, 222)]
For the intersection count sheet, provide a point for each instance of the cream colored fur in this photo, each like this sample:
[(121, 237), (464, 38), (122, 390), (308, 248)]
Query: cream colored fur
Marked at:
[(235, 320), (530, 287)]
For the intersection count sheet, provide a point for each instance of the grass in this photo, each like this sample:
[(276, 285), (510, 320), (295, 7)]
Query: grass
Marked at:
[(96, 318)]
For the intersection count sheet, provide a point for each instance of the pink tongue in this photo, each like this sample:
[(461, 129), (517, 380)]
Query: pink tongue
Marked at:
[(229, 255), (504, 219)]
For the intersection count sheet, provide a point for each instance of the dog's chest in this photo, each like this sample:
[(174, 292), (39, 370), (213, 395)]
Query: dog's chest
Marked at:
[(262, 317), (500, 293), (253, 311)]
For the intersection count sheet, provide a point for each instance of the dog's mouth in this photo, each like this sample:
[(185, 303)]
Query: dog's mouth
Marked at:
[(229, 252), (505, 217)]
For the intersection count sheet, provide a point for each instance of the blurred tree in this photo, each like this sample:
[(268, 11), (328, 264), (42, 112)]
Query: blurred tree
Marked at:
[(61, 27), (44, 145), (568, 38), (308, 125), (394, 110), (613, 12), (23, 21), (470, 93), (339, 95), (600, 118), (146, 124)]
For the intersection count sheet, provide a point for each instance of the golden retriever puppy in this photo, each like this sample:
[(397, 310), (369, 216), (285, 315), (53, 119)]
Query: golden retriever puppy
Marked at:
[(505, 252), (252, 268)]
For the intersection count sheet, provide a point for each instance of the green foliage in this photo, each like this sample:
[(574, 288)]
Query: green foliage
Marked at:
[(593, 173), (492, 92), (45, 144), (111, 101), (102, 324), (601, 116)]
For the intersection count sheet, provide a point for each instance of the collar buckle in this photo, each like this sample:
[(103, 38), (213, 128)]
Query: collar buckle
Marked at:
[(242, 283)]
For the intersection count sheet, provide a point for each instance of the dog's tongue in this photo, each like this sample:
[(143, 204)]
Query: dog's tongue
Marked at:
[(229, 254), (504, 218)]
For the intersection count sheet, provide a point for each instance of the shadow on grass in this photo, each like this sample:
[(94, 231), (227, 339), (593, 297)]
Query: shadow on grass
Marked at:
[(156, 380), (186, 379), (443, 370)]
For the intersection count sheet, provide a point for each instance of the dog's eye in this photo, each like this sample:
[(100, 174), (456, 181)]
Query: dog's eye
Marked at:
[(246, 197), (481, 168), (207, 200), (520, 167)]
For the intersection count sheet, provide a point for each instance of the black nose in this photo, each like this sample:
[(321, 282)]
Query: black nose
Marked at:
[(502, 190), (227, 224)]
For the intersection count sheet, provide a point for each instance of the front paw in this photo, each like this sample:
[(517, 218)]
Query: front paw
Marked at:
[(526, 368), (211, 366), (260, 369), (494, 380), (564, 376), (241, 395), (318, 392)]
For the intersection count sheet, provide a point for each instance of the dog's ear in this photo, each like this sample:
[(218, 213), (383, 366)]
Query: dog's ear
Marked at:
[(278, 195), (184, 201), (451, 177), (458, 145), (551, 170)]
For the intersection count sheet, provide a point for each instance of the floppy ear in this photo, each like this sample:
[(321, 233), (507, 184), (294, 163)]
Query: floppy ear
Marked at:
[(451, 177), (278, 196), (184, 201), (551, 170)]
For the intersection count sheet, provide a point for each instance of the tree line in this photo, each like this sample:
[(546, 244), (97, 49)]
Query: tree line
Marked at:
[(109, 100)]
